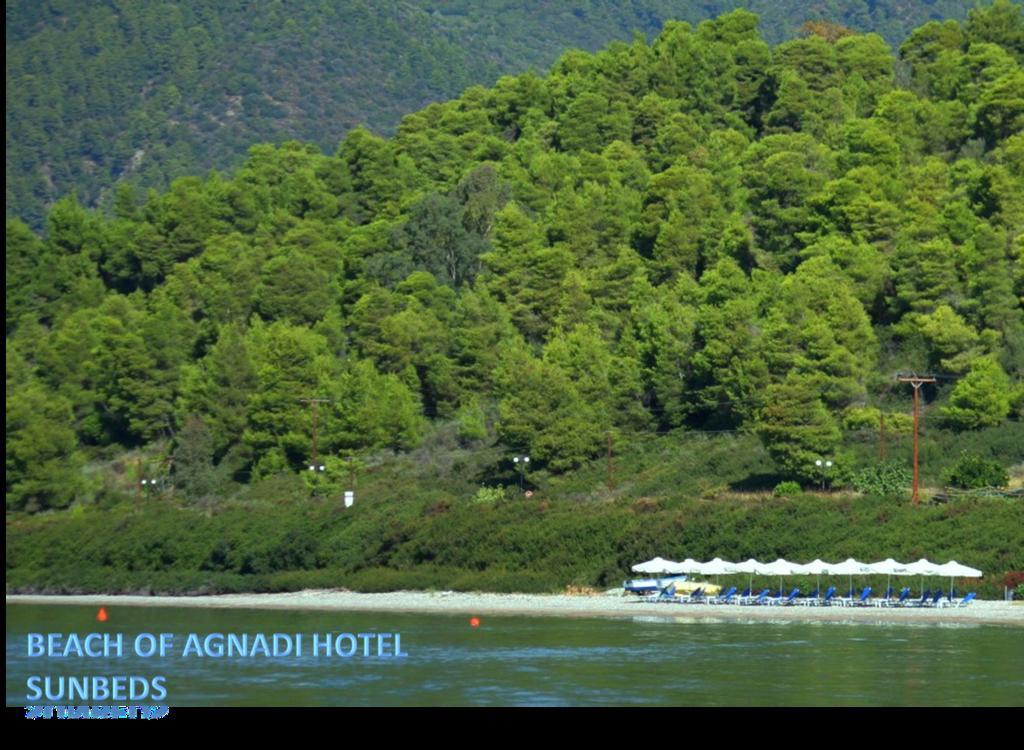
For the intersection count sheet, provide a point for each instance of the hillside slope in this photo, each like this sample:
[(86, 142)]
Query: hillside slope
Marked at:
[(143, 92)]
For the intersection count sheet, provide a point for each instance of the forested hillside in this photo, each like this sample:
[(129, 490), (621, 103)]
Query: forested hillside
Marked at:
[(701, 233), (138, 93)]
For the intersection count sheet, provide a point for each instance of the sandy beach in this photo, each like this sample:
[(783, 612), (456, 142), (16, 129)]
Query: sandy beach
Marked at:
[(609, 604)]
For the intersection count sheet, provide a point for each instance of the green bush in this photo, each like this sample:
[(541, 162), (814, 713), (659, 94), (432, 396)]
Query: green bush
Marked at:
[(887, 479), (787, 489), (490, 495), (973, 472)]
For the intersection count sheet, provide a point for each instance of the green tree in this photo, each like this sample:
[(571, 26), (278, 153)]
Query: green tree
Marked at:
[(43, 463), (193, 460), (980, 399), (796, 428)]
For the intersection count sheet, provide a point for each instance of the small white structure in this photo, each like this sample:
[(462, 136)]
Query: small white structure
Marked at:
[(350, 497)]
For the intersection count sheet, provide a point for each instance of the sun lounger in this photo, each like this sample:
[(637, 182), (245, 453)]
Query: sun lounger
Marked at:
[(965, 601), (761, 598), (904, 595), (667, 594), (934, 602), (697, 595), (785, 601), (725, 598), (852, 602), (822, 601)]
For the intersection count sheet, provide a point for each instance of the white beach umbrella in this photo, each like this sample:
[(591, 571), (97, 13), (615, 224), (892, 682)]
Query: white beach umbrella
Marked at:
[(814, 568), (849, 567), (888, 568), (923, 567), (657, 565), (750, 566), (718, 567), (781, 568), (691, 566), (953, 569)]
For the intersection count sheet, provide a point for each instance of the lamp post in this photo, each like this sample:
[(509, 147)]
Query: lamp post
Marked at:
[(823, 467), (317, 470), (522, 462)]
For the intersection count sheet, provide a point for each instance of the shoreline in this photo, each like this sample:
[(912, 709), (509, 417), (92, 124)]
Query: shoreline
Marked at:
[(609, 604)]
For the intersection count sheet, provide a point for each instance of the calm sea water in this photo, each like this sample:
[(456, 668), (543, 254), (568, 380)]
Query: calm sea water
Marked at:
[(540, 661)]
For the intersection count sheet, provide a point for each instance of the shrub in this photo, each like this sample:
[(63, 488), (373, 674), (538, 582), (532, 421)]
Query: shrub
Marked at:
[(490, 495), (1014, 579), (886, 479), (973, 472), (787, 489)]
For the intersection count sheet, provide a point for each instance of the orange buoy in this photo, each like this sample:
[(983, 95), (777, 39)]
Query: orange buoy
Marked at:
[(101, 616)]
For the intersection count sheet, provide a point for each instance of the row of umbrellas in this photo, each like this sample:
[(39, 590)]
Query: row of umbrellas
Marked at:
[(780, 567)]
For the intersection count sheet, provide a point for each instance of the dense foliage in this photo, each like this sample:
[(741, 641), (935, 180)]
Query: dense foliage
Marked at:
[(521, 547), (702, 232), (139, 93), (973, 472)]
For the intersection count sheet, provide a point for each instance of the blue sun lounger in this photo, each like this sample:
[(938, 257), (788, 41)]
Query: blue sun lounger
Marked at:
[(697, 595), (904, 595), (965, 601), (761, 598), (725, 598), (782, 601)]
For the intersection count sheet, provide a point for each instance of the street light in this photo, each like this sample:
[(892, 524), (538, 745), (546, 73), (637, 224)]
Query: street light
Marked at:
[(522, 462), (315, 485), (827, 465)]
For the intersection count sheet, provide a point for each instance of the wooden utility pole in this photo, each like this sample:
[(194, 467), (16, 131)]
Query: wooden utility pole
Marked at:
[(916, 381), (314, 404)]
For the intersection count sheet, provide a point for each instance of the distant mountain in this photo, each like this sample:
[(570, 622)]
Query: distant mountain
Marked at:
[(142, 92)]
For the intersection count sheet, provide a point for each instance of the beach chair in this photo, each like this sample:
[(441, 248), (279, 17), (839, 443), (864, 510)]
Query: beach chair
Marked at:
[(853, 601), (826, 601), (966, 600), (924, 598), (761, 598), (667, 594), (863, 601), (904, 595), (811, 600), (785, 601), (694, 596), (725, 598)]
